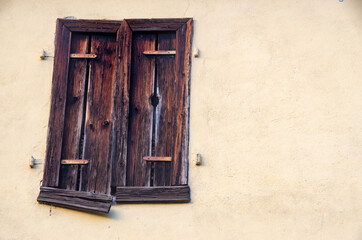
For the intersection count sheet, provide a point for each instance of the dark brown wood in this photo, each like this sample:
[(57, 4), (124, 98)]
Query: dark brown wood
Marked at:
[(119, 125), (74, 111), (140, 115), (85, 25), (182, 105), (74, 161), (155, 24), (157, 159), (57, 106), (153, 194), (95, 176), (160, 52), (165, 109), (82, 55), (121, 105), (85, 201)]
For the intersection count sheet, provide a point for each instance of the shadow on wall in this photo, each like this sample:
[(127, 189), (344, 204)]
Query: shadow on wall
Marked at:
[(356, 8)]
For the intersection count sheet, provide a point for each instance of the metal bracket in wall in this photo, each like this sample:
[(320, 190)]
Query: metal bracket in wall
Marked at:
[(34, 161)]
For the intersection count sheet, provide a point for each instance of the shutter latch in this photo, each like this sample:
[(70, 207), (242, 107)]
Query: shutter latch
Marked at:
[(157, 159), (74, 161)]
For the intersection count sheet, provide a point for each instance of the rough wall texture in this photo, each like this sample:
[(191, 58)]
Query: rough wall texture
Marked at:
[(276, 112)]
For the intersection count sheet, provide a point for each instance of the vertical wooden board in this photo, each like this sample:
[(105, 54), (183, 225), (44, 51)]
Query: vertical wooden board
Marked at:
[(164, 111), (57, 106), (182, 93), (74, 111), (140, 113), (98, 125), (121, 105)]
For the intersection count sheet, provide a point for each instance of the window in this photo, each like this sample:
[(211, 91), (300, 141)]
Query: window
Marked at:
[(119, 113)]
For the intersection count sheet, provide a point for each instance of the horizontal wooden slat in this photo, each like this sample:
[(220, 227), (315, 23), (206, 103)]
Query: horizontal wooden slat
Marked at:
[(74, 161), (156, 24), (153, 194), (157, 159), (168, 52), (85, 201), (105, 26), (83, 55)]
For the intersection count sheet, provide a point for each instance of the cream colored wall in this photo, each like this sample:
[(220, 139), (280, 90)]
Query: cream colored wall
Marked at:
[(276, 112)]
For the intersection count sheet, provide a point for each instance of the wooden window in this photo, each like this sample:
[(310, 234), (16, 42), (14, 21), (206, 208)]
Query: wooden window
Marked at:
[(119, 113)]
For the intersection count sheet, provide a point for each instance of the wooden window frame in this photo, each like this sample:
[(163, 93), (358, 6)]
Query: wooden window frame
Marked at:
[(179, 191)]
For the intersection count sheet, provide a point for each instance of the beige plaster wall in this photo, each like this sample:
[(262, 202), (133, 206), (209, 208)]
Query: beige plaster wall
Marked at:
[(276, 112)]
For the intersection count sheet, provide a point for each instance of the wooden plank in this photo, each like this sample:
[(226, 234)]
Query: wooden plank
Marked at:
[(165, 109), (140, 113), (57, 106), (160, 52), (85, 25), (85, 201), (74, 111), (153, 194), (74, 161), (121, 106), (156, 24), (95, 176), (155, 159), (182, 105), (82, 55)]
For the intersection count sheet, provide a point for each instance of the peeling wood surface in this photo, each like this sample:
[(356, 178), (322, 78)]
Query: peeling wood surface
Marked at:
[(85, 201), (95, 176), (121, 106), (74, 111), (165, 110), (140, 113), (57, 107), (181, 118)]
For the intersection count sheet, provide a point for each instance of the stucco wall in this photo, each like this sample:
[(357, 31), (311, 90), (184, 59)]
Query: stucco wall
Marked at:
[(276, 112)]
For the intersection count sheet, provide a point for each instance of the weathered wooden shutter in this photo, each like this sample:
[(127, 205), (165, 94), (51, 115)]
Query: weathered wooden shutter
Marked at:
[(151, 155), (80, 124), (119, 113)]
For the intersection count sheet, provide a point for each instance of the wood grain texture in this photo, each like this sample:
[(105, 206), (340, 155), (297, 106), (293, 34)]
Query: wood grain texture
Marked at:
[(85, 25), (57, 106), (170, 24), (165, 109), (153, 194), (74, 111), (95, 176), (140, 115), (85, 201), (182, 105), (121, 105)]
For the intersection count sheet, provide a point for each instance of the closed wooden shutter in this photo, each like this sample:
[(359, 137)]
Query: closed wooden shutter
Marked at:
[(119, 113)]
